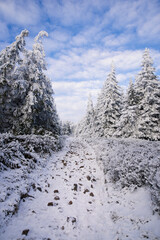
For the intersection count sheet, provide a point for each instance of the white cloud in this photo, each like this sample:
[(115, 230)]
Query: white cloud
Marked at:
[(125, 77), (122, 14), (56, 41), (92, 64), (88, 35), (156, 58), (20, 12), (71, 98), (69, 12), (60, 35), (76, 88), (150, 29), (139, 17), (119, 40), (127, 60), (70, 108)]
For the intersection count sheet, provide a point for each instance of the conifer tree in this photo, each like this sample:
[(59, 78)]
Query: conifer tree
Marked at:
[(109, 104), (127, 122), (147, 88), (67, 128), (11, 89), (90, 117), (32, 107), (86, 127), (39, 113), (131, 95)]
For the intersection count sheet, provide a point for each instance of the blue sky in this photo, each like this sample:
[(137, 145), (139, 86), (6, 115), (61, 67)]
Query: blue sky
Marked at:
[(85, 36)]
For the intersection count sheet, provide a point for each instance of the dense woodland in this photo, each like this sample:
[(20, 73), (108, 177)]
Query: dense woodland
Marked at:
[(27, 104), (135, 114)]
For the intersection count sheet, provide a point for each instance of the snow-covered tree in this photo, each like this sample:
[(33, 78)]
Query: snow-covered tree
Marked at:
[(10, 56), (147, 88), (109, 104), (86, 127), (39, 111), (11, 89), (90, 117), (127, 122), (67, 128), (131, 94), (32, 104)]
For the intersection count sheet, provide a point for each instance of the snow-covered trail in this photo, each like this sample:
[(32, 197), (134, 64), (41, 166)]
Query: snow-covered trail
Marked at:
[(71, 201)]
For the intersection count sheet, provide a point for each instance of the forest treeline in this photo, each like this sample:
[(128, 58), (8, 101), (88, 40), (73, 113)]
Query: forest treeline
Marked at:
[(27, 104), (135, 114)]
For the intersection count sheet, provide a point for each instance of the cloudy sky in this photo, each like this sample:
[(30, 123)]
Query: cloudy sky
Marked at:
[(85, 36)]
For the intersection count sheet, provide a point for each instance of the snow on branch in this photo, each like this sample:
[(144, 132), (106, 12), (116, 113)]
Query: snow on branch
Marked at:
[(40, 35)]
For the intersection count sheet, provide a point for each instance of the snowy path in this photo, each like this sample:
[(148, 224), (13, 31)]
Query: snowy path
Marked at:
[(71, 201)]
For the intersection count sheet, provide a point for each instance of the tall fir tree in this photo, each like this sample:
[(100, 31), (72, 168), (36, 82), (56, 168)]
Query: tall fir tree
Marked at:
[(147, 88), (109, 105)]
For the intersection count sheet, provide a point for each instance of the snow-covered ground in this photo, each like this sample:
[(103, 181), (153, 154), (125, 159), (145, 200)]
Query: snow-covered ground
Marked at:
[(73, 199)]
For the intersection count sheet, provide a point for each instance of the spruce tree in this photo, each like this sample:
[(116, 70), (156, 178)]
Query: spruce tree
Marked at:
[(127, 122), (131, 94), (109, 104), (147, 88)]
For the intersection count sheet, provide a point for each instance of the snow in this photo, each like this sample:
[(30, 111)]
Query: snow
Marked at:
[(73, 199), (131, 163)]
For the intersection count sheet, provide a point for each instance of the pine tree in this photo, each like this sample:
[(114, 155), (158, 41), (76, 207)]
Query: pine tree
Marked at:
[(109, 104), (147, 88)]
